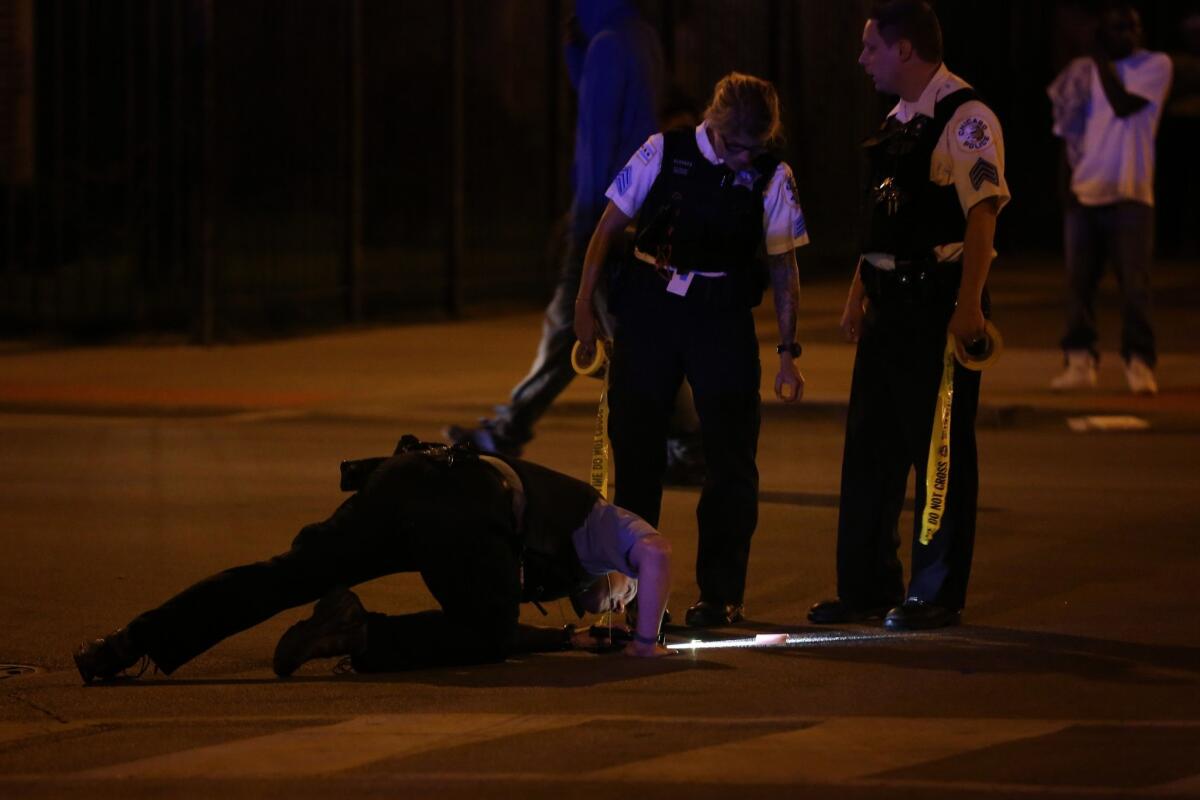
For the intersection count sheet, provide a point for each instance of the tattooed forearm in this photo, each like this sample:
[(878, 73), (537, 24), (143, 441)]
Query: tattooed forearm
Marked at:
[(785, 281)]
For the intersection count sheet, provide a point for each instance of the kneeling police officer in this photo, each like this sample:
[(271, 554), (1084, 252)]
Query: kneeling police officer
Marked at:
[(486, 533)]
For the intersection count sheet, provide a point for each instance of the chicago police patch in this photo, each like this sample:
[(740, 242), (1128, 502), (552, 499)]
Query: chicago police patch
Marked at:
[(792, 192), (973, 134)]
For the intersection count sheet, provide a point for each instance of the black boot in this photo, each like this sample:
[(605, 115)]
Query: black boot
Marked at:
[(107, 657), (337, 627)]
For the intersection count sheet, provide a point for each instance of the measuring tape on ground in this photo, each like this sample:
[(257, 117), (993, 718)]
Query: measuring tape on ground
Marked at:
[(598, 471), (937, 468)]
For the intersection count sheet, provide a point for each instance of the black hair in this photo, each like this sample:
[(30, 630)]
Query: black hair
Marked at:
[(914, 20)]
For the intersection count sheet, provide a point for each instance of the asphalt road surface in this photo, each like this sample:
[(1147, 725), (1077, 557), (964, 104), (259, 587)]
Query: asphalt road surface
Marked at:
[(126, 473)]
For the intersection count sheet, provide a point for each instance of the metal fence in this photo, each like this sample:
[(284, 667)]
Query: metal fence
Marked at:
[(221, 167), (236, 167)]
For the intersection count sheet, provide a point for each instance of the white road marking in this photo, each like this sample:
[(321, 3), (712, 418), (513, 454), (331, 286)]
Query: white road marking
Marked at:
[(833, 751), (845, 751), (334, 748)]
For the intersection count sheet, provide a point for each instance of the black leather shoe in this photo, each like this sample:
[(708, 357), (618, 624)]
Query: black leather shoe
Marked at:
[(484, 438), (836, 612), (917, 615), (107, 657), (706, 614), (685, 461), (337, 627)]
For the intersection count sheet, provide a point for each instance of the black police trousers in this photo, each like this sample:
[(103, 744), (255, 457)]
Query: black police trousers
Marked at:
[(453, 525), (893, 396), (661, 338)]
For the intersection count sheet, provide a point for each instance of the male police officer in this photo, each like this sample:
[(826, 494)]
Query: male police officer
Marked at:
[(485, 533), (936, 187)]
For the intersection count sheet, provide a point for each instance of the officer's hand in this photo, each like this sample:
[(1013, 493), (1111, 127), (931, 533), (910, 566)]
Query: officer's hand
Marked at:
[(852, 320), (639, 650), (585, 329), (789, 383), (583, 639), (967, 324)]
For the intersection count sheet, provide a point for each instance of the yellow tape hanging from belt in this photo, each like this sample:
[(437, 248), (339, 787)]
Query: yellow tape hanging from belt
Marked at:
[(598, 472), (937, 469)]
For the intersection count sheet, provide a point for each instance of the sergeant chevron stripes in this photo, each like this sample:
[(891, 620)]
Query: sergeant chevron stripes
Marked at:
[(984, 171), (799, 227), (623, 179)]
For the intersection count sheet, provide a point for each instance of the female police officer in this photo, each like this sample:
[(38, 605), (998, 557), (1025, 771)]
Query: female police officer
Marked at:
[(707, 201)]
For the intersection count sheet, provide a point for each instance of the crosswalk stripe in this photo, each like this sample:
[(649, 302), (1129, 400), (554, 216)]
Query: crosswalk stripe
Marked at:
[(846, 751), (834, 751), (1187, 787), (332, 748)]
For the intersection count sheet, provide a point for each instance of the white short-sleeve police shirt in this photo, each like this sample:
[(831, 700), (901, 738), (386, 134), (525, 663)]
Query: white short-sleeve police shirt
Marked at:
[(784, 228), (607, 536), (969, 155)]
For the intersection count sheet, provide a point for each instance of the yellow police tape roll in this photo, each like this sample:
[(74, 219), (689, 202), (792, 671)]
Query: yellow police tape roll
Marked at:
[(937, 468), (598, 472), (993, 346)]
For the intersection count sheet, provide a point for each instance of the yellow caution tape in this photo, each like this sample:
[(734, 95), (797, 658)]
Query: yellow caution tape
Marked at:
[(937, 468), (598, 472)]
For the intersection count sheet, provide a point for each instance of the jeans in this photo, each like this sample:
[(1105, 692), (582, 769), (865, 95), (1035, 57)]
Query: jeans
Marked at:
[(551, 371), (1123, 234)]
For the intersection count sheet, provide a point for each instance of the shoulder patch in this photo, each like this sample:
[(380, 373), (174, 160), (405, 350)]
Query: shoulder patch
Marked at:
[(790, 184), (973, 134), (646, 153)]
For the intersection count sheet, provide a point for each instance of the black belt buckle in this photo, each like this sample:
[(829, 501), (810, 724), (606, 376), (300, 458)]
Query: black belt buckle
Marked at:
[(913, 281)]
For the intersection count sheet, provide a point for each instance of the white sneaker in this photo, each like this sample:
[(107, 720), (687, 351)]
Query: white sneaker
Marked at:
[(1140, 377), (1080, 372)]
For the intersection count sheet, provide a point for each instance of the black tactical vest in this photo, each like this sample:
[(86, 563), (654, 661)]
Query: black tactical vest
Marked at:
[(555, 506), (905, 213), (697, 220)]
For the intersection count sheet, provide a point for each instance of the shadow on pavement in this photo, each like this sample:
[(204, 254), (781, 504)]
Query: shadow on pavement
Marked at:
[(528, 671), (971, 649)]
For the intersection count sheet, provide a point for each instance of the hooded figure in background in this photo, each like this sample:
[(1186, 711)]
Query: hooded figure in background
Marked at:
[(615, 63)]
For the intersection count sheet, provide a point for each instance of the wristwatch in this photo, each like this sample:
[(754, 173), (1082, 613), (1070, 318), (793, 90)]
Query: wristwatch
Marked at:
[(792, 348)]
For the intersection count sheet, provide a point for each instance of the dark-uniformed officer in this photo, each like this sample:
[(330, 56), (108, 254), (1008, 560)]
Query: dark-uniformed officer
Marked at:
[(936, 171), (485, 534), (708, 201)]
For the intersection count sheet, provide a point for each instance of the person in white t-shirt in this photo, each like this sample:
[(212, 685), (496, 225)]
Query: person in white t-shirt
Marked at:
[(1107, 108), (708, 201)]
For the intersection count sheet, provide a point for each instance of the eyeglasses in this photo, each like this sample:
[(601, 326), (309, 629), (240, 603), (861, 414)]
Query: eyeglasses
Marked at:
[(734, 148)]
